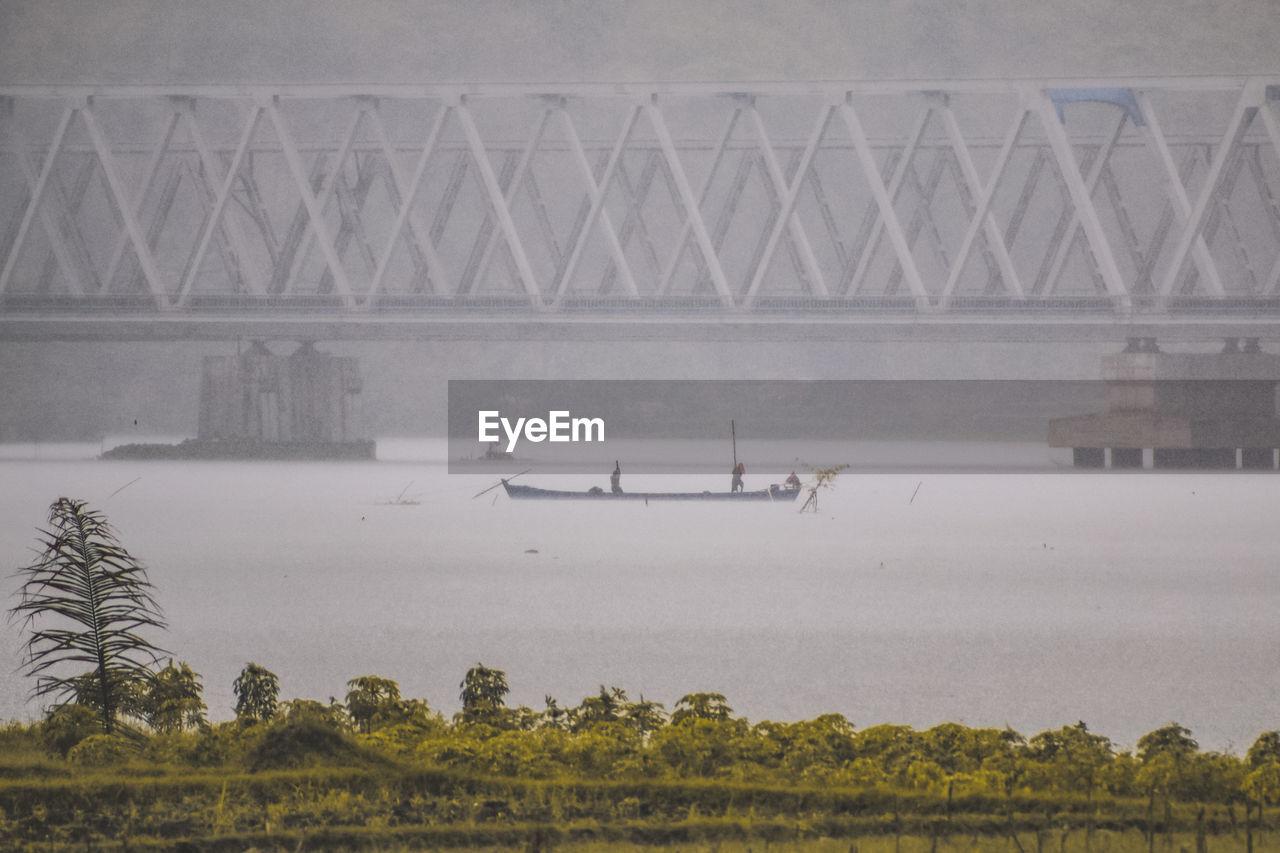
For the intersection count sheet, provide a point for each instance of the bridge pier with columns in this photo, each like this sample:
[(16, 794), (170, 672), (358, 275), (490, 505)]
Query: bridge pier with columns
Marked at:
[(307, 397), (1180, 410)]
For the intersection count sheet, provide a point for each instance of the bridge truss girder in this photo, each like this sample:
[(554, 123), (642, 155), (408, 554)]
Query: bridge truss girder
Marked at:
[(1126, 201)]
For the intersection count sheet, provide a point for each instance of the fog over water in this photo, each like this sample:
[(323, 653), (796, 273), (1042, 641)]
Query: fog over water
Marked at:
[(1031, 598)]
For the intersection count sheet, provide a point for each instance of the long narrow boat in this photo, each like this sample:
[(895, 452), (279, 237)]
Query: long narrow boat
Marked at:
[(773, 493)]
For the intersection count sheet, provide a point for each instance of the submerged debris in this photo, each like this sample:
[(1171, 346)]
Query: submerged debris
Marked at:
[(402, 500)]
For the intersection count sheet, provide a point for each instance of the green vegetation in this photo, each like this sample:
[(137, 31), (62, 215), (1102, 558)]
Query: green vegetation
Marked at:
[(257, 694), (823, 478), (610, 772), (147, 771), (97, 597)]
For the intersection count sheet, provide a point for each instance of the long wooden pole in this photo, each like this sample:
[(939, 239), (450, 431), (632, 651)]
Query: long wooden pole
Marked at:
[(734, 434)]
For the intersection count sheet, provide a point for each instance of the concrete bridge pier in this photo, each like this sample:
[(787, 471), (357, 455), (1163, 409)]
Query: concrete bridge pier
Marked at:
[(308, 397), (1180, 410)]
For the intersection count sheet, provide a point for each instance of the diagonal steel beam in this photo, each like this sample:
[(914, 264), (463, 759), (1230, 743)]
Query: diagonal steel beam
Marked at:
[(11, 231), (687, 226), (125, 208), (254, 279), (1142, 281), (829, 220), (1272, 286), (1218, 212), (788, 239), (1082, 200), (542, 217), (286, 255), (793, 250), (381, 171), (351, 227), (328, 187), (750, 161), (723, 219), (1177, 191), (160, 212), (596, 192), (868, 225), (1123, 220), (419, 237), (214, 217), (35, 195), (788, 196), (1229, 219), (1062, 240), (207, 197), (985, 193), (690, 202), (1264, 191), (1219, 209), (350, 202), (965, 195), (1272, 124), (499, 204), (406, 202), (67, 206), (1269, 203), (148, 183), (490, 241), (489, 227), (636, 194), (1023, 204), (279, 254), (871, 174), (452, 189), (1240, 120), (314, 212), (922, 216), (853, 283)]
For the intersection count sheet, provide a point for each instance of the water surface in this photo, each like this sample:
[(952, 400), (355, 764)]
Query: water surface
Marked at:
[(918, 594)]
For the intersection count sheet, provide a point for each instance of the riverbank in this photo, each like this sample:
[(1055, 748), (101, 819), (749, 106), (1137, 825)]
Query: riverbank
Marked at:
[(245, 449), (305, 780)]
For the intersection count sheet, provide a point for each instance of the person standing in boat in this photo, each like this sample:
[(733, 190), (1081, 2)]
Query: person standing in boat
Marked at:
[(615, 479), (736, 484), (792, 483)]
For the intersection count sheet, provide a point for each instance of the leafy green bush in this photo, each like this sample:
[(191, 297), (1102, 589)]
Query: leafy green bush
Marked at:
[(102, 751), (171, 749), (333, 715), (220, 745), (66, 726), (306, 742)]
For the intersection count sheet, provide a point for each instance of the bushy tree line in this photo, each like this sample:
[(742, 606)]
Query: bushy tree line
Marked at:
[(610, 736)]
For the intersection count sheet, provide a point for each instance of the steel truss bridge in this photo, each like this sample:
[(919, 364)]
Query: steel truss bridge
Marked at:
[(1082, 209)]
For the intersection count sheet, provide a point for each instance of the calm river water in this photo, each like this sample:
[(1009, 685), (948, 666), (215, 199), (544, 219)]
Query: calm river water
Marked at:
[(1034, 597)]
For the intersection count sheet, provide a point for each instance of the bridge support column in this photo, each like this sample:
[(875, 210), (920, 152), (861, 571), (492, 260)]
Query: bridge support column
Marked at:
[(1180, 410), (308, 397)]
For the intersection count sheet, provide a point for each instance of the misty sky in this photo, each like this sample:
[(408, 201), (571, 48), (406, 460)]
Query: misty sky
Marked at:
[(409, 41)]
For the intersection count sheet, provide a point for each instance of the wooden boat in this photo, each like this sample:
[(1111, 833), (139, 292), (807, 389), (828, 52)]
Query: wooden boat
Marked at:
[(773, 493)]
